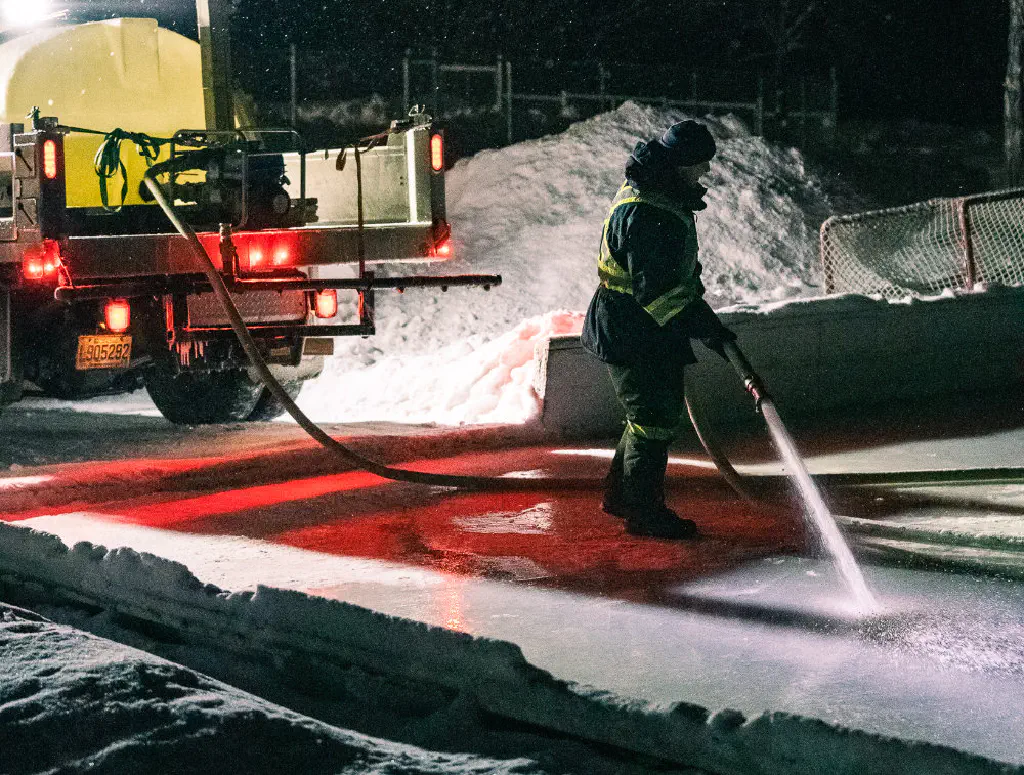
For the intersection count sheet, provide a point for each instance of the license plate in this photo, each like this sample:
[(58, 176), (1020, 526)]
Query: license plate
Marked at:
[(103, 352)]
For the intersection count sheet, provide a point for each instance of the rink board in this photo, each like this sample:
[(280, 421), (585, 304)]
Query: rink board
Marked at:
[(816, 356)]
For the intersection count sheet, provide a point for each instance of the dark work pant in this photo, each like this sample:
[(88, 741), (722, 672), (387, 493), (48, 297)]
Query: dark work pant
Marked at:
[(651, 391)]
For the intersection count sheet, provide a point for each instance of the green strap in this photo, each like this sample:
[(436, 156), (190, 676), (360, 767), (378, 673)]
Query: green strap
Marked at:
[(107, 161)]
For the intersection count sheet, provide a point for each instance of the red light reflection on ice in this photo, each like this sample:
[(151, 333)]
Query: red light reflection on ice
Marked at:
[(177, 512), (553, 538)]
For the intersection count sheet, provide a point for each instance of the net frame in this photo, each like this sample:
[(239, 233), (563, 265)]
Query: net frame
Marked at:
[(926, 247)]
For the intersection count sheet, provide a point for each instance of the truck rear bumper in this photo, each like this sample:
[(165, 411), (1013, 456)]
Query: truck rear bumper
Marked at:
[(187, 286), (193, 283)]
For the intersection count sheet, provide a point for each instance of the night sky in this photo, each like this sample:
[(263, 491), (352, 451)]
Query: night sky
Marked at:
[(933, 60)]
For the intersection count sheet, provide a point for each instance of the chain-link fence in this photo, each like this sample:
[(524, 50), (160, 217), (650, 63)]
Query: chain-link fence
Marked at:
[(334, 97), (927, 247)]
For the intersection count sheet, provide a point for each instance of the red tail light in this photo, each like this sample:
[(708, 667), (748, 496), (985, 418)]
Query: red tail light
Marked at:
[(437, 153), (41, 261), (266, 251), (50, 159), (117, 314), (326, 304), (34, 268), (444, 249)]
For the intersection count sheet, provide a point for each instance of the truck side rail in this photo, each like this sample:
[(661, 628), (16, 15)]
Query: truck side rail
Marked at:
[(96, 257)]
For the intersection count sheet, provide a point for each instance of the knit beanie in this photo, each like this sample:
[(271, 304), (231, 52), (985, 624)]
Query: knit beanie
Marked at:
[(688, 143)]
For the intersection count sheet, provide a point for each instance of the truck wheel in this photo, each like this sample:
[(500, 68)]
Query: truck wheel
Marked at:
[(268, 407), (201, 398)]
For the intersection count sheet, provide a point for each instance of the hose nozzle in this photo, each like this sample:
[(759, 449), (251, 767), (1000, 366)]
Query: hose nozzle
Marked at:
[(757, 391), (751, 382)]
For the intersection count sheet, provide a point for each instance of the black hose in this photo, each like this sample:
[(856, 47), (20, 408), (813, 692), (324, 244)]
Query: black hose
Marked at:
[(725, 468)]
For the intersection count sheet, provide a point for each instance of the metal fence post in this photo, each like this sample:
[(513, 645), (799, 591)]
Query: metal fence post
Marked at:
[(970, 269), (499, 89), (508, 100), (833, 102), (293, 66), (803, 111), (759, 110), (405, 82)]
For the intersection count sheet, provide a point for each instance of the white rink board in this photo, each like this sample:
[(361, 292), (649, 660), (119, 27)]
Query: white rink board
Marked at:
[(815, 356)]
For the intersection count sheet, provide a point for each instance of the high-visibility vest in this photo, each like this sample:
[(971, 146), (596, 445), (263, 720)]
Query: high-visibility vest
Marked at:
[(616, 277)]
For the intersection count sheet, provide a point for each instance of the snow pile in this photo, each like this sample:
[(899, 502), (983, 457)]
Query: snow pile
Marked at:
[(532, 212), (471, 380)]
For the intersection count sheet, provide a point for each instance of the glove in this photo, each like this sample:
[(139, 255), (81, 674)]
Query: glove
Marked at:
[(702, 323)]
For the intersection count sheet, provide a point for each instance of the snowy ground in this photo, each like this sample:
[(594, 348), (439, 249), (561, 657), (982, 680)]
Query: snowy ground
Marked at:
[(73, 702)]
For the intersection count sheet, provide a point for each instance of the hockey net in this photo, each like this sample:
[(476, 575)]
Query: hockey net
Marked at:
[(927, 247)]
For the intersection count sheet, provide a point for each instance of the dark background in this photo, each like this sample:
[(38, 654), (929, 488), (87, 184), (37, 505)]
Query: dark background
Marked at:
[(920, 82), (931, 60)]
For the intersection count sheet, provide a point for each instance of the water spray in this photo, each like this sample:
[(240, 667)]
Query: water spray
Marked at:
[(817, 514)]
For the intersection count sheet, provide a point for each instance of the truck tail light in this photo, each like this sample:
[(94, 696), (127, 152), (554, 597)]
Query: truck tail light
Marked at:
[(50, 159), (326, 304), (444, 248), (436, 153), (266, 251), (117, 314), (41, 261)]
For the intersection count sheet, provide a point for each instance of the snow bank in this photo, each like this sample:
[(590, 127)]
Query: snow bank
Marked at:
[(472, 380), (533, 213), (73, 702)]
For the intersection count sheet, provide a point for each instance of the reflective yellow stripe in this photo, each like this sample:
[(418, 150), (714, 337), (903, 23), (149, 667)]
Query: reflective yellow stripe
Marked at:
[(651, 432), (616, 278), (670, 304), (612, 275)]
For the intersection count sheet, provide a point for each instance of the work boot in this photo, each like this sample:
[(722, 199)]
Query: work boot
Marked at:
[(659, 521)]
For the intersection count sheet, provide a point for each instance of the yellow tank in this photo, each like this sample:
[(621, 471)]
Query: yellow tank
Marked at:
[(119, 73)]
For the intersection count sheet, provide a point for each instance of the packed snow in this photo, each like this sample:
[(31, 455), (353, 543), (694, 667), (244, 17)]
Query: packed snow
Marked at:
[(72, 702), (532, 212), (91, 705)]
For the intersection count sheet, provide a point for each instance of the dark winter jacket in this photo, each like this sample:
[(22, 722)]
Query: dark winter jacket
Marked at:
[(648, 267)]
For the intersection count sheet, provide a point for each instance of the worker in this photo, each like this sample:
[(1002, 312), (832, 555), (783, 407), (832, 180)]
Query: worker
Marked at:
[(648, 306)]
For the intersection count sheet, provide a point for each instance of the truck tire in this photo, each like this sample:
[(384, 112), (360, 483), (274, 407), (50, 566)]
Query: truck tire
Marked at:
[(203, 397), (268, 407)]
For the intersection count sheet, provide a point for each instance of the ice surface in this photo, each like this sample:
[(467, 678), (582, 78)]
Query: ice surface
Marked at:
[(746, 665)]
